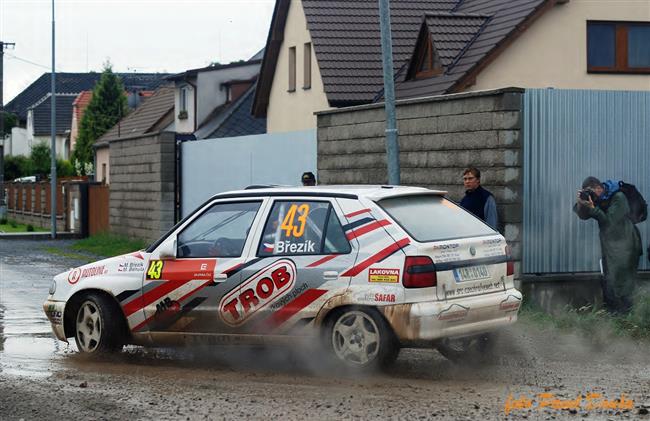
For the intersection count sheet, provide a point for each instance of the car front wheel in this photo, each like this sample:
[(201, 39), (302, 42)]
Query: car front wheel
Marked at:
[(361, 339), (98, 326)]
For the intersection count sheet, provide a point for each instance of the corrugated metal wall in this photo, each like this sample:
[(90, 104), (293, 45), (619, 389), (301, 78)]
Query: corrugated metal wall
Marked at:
[(569, 135)]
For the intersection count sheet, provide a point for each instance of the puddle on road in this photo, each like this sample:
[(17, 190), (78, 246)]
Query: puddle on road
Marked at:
[(27, 345)]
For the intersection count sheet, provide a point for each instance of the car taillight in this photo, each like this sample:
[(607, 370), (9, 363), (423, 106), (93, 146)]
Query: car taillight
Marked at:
[(510, 264), (419, 272)]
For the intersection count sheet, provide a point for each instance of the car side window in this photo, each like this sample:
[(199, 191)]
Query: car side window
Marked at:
[(221, 231), (302, 228)]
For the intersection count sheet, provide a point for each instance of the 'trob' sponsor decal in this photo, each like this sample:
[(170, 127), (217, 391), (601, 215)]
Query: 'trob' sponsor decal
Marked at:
[(260, 290)]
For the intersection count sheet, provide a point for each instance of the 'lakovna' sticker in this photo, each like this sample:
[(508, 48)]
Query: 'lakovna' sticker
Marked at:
[(383, 275)]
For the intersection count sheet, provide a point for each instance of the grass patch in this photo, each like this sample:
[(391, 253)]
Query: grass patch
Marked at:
[(594, 322), (9, 225), (108, 245), (69, 254)]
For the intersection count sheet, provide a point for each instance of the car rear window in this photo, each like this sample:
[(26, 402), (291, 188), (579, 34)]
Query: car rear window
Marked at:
[(433, 218)]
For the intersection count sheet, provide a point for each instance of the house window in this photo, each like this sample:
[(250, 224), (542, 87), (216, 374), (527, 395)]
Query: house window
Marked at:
[(618, 47), (428, 62), (182, 102), (307, 57), (292, 69), (104, 173)]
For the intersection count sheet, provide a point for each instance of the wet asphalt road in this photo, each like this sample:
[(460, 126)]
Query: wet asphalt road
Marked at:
[(42, 378)]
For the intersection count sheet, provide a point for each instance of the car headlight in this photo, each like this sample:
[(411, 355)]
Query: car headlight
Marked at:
[(53, 287)]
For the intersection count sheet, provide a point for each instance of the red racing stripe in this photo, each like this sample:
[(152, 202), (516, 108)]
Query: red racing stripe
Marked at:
[(293, 307), (359, 212), (367, 228), (152, 296), (146, 321), (321, 261), (377, 257)]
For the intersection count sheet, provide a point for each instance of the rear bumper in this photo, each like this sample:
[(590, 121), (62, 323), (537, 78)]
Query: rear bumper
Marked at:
[(429, 321), (54, 311)]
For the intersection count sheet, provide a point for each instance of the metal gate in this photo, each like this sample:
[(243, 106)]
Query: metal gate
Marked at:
[(569, 135), (213, 166)]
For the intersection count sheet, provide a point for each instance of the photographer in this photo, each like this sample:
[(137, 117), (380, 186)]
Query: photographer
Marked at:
[(620, 241)]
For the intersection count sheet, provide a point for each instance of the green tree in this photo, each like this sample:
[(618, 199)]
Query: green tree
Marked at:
[(41, 159), (17, 166), (107, 106), (10, 120)]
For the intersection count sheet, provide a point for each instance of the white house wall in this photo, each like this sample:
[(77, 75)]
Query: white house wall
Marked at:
[(210, 93), (61, 145), (553, 51), (18, 143), (185, 125), (102, 156), (289, 111)]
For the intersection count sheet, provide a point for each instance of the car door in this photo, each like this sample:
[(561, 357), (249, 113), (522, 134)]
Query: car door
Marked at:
[(296, 266), (182, 294)]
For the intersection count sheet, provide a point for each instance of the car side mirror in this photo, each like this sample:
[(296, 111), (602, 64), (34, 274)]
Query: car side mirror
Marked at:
[(167, 249)]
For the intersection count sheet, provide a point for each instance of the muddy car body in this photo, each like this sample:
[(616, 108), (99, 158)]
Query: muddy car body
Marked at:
[(364, 269)]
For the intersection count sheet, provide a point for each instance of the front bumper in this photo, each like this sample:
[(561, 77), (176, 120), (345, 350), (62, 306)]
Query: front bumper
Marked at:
[(54, 310), (429, 321)]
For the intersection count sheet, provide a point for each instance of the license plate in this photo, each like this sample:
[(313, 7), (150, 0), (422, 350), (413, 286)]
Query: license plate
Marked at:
[(471, 273)]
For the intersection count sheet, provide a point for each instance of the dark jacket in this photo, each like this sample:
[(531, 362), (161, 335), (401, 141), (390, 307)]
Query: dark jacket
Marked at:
[(620, 243)]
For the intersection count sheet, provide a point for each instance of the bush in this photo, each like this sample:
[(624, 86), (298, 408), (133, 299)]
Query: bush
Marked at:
[(41, 159), (3, 221), (64, 168), (30, 228), (13, 224), (17, 166)]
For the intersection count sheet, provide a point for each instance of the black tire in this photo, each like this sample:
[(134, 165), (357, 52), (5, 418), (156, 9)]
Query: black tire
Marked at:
[(370, 343), (99, 326), (472, 350)]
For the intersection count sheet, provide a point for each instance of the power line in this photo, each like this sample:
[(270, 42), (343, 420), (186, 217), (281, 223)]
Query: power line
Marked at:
[(27, 61)]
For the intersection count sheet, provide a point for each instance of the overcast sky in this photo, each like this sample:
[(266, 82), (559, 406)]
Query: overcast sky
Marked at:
[(135, 35)]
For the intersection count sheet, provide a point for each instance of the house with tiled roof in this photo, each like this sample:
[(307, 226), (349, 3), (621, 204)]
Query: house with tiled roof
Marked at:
[(32, 107), (327, 54), (153, 116), (203, 95)]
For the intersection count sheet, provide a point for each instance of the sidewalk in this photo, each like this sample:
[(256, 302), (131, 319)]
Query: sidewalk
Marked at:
[(36, 235)]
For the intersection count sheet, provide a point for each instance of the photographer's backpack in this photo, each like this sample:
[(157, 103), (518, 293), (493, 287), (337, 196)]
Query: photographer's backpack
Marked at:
[(638, 206)]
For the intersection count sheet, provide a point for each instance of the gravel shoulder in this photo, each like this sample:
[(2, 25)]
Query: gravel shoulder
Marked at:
[(46, 379)]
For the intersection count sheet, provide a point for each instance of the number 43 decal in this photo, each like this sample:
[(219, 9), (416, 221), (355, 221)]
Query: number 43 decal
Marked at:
[(155, 269), (289, 226)]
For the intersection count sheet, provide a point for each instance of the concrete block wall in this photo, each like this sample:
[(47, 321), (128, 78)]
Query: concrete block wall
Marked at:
[(142, 174), (439, 137)]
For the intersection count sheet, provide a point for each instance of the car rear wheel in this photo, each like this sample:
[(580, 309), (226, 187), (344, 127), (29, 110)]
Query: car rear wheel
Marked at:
[(361, 339), (98, 326), (471, 349)]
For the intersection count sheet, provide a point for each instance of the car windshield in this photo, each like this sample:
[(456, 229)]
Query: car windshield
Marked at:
[(434, 218)]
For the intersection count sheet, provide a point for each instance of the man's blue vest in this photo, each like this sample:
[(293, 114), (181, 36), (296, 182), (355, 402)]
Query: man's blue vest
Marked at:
[(474, 201)]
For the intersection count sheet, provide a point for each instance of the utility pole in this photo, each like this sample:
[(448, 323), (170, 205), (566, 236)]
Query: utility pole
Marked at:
[(53, 140), (392, 143), (3, 210)]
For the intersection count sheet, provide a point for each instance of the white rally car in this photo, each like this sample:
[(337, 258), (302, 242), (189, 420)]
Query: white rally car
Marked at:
[(364, 269)]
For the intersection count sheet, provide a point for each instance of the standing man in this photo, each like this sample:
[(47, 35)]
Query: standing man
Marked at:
[(620, 242), (308, 179), (478, 200)]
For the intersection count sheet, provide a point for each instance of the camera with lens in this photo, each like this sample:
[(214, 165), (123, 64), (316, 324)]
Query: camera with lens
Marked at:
[(585, 194)]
